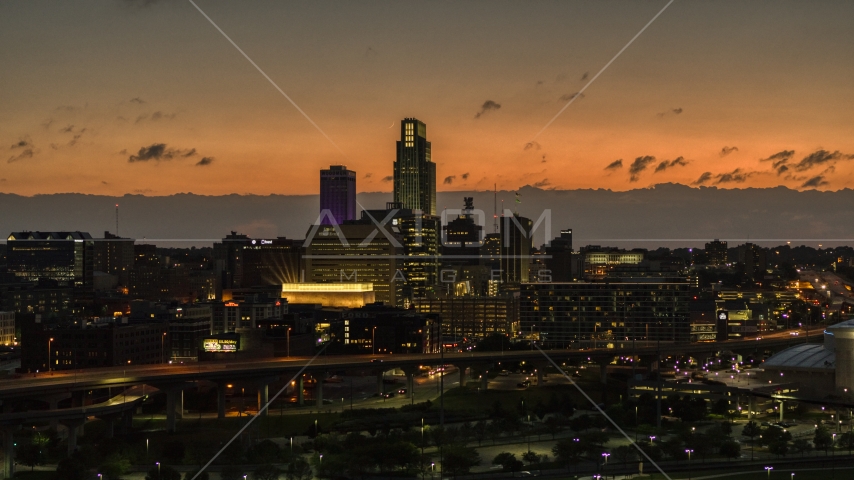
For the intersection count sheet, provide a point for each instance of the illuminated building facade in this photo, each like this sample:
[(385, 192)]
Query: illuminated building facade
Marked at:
[(516, 248), (232, 315), (114, 255), (716, 253), (360, 255), (338, 194), (559, 314), (473, 317), (7, 328), (414, 171), (350, 295), (66, 257), (271, 262)]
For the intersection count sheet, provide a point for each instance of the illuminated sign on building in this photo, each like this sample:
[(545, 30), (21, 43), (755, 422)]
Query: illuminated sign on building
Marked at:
[(216, 345)]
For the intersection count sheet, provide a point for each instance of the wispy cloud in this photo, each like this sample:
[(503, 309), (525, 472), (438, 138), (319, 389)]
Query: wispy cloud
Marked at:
[(137, 100), (569, 96), (542, 183), (736, 176), (615, 165), (639, 165), (449, 179), (727, 150), (674, 111), (664, 165), (705, 177), (465, 176), (388, 178), (530, 145), (159, 151), (584, 77), (204, 161), (487, 106), (155, 117), (368, 175), (21, 150), (821, 158), (815, 182)]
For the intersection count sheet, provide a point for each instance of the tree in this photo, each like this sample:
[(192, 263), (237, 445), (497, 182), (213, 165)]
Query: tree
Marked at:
[(265, 451), (846, 440), (459, 460), (72, 469), (231, 472), (298, 469), (779, 447), (801, 445), (531, 458), (553, 425), (114, 467), (480, 431), (568, 452), (30, 455), (730, 449), (163, 472), (266, 472), (508, 462), (173, 451), (624, 454), (751, 429), (822, 440)]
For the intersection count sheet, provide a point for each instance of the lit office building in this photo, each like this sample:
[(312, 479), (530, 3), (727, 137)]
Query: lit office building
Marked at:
[(414, 171), (716, 253), (66, 257), (338, 194), (559, 314), (473, 317)]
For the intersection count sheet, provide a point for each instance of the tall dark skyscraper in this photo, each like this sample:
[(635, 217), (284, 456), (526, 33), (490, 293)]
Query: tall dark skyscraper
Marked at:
[(338, 194), (414, 172)]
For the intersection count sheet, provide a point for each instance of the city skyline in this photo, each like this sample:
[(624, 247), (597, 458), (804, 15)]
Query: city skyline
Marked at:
[(147, 97)]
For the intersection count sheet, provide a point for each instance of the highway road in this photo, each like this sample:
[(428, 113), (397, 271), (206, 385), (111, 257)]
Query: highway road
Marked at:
[(828, 281)]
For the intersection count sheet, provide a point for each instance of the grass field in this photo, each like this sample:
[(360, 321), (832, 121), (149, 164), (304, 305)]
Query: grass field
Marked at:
[(761, 474)]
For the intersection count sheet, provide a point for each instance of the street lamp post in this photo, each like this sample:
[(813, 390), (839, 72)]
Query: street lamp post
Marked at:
[(289, 342), (374, 341), (768, 469), (162, 351), (50, 340), (158, 470), (689, 452)]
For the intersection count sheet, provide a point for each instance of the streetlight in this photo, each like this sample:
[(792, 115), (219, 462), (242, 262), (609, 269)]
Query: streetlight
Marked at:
[(146, 448), (689, 452), (374, 341), (158, 469), (652, 439), (162, 352), (289, 342), (793, 476), (768, 469), (606, 455), (48, 353)]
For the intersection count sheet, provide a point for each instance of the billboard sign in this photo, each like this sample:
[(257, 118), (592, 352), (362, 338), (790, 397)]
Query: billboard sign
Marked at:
[(221, 345)]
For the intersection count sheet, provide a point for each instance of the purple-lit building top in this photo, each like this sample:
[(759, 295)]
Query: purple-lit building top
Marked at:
[(338, 194)]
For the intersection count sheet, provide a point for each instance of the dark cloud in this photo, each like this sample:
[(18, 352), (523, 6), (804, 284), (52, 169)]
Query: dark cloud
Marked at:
[(465, 176), (539, 82), (544, 159), (449, 179), (22, 150), (569, 96), (530, 145), (104, 182), (615, 165), (370, 52), (155, 117), (815, 182), (487, 106), (22, 143), (137, 100), (159, 151), (47, 123), (368, 175), (584, 77), (143, 190), (204, 161), (736, 176), (67, 129), (664, 165), (2, 179), (779, 160), (675, 111), (22, 155), (388, 178), (705, 177), (638, 166), (821, 158), (542, 183), (727, 150)]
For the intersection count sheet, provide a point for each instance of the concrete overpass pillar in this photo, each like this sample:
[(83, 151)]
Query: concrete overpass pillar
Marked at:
[(782, 407), (8, 453), (603, 371), (263, 397), (300, 391), (540, 369), (220, 399), (380, 383), (318, 390), (751, 407), (484, 380), (74, 427), (174, 407), (410, 381)]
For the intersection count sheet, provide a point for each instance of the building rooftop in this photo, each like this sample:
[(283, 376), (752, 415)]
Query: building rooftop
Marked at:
[(806, 356)]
